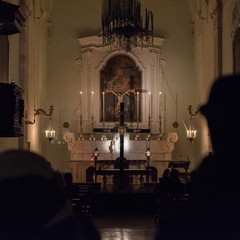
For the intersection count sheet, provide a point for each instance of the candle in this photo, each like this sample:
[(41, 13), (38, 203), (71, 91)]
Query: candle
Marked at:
[(150, 104), (92, 103), (152, 21), (164, 110), (138, 106), (103, 105), (160, 103), (164, 102), (80, 99)]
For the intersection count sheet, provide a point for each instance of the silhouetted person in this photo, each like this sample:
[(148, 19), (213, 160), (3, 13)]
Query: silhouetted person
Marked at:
[(90, 171), (33, 204), (153, 174), (165, 175), (71, 189), (161, 192), (174, 184), (162, 188), (214, 208)]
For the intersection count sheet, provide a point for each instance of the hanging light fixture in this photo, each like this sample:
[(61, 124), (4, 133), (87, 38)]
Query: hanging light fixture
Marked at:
[(123, 26), (191, 131), (49, 133)]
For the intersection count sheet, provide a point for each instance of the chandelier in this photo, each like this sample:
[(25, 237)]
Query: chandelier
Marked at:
[(123, 25)]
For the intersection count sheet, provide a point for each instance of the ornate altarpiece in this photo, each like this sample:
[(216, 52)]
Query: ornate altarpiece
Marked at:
[(108, 76)]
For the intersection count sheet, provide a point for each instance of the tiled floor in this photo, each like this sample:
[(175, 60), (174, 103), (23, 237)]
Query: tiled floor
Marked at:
[(124, 227)]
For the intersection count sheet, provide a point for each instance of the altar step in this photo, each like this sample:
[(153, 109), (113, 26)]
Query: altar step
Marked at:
[(86, 188), (92, 200)]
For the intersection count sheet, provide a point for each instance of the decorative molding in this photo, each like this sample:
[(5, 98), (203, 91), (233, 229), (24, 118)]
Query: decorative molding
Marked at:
[(81, 151)]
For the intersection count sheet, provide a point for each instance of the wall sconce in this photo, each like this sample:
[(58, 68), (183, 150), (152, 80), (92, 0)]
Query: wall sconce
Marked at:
[(191, 131), (49, 132)]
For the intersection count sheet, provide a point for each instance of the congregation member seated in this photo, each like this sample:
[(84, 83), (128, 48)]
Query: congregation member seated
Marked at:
[(33, 203), (174, 184), (90, 171), (169, 193), (161, 188), (169, 183)]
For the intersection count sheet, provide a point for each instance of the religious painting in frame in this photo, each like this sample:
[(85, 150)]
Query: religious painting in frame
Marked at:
[(120, 80)]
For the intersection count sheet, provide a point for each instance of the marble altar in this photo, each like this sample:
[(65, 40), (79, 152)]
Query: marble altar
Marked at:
[(81, 152)]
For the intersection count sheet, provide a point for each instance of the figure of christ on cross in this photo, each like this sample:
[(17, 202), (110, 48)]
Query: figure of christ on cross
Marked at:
[(120, 96)]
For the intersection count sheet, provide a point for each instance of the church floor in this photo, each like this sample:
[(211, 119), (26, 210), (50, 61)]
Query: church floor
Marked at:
[(125, 227), (123, 216)]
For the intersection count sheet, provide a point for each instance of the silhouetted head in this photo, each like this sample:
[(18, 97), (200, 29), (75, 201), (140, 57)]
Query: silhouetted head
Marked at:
[(222, 112), (166, 173), (30, 195), (174, 174)]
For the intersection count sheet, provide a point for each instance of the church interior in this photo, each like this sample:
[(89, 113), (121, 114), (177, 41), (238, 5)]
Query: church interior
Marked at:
[(105, 105)]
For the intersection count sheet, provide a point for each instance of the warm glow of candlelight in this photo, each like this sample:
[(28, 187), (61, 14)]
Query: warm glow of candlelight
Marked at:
[(80, 98), (160, 103), (150, 104), (191, 134), (92, 103), (103, 105), (50, 134), (138, 103)]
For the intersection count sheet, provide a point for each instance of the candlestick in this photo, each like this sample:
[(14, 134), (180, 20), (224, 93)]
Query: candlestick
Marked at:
[(103, 108), (160, 103), (92, 103), (164, 110), (150, 104), (80, 98), (164, 102), (160, 114), (150, 107), (137, 107), (92, 117)]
